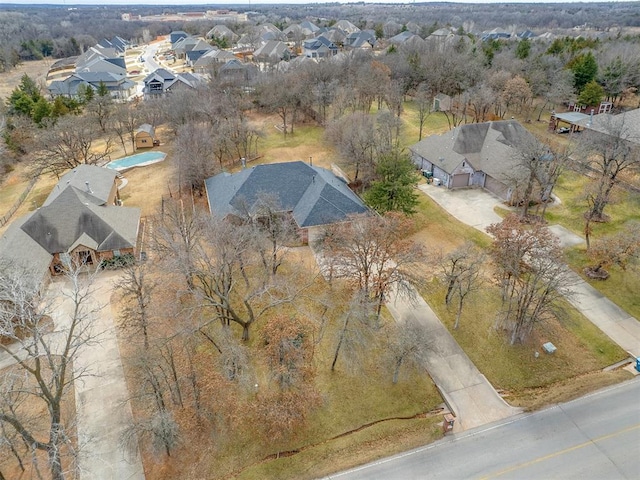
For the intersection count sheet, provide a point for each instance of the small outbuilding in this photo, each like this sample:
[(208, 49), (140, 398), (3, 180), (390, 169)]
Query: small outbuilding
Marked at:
[(145, 136)]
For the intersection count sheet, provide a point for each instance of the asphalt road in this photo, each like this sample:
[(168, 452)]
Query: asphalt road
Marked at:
[(594, 437)]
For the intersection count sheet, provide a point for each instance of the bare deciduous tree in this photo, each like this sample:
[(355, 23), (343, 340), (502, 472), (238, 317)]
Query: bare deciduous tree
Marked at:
[(408, 345), (461, 271), (43, 361), (607, 154), (531, 274), (70, 142), (374, 254)]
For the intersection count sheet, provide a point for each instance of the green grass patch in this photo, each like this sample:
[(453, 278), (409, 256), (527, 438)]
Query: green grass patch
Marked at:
[(581, 347)]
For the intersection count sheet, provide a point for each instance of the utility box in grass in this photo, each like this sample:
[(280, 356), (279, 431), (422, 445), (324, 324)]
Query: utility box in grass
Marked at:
[(549, 347)]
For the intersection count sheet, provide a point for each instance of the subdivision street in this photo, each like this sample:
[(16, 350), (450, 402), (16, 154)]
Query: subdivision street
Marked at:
[(594, 437)]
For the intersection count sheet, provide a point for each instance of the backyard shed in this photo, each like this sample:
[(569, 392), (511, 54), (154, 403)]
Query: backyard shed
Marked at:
[(145, 136)]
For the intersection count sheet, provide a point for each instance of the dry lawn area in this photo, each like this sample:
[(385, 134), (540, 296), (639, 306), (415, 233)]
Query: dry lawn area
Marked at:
[(37, 70)]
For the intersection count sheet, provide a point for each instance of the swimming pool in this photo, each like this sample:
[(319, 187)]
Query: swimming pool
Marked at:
[(137, 160)]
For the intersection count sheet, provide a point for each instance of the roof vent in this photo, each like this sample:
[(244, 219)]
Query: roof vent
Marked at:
[(88, 187), (441, 159)]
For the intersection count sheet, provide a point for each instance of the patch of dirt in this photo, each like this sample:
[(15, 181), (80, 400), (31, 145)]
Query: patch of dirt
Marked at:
[(37, 70)]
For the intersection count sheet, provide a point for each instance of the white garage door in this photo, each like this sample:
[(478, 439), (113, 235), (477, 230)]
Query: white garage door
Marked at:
[(460, 180)]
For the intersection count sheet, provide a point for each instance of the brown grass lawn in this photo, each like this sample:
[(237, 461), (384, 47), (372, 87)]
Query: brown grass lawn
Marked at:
[(36, 69), (394, 417)]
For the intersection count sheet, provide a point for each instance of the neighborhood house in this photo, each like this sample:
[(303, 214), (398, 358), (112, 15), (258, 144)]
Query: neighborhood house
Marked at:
[(313, 196), (79, 221), (479, 154)]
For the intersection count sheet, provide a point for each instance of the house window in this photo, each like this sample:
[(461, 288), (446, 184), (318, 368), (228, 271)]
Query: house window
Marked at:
[(116, 253), (464, 164)]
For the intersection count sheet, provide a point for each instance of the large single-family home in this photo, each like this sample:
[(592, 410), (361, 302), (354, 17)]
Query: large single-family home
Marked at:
[(119, 86), (319, 47), (478, 154), (79, 221), (272, 52), (215, 56), (162, 81), (364, 39), (189, 44), (222, 31), (313, 196)]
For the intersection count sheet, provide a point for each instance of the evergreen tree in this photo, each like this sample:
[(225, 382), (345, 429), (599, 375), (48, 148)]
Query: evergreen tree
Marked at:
[(523, 49), (592, 94), (41, 110), (102, 91), (584, 68), (395, 188)]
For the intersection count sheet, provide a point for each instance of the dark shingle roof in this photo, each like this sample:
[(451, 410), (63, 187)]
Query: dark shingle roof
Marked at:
[(56, 227), (313, 194)]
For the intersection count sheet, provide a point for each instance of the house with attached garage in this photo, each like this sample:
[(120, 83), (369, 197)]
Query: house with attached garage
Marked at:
[(162, 81), (312, 196), (80, 221), (479, 154)]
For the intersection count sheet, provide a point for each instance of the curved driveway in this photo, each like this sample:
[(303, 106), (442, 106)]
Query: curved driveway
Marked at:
[(475, 207)]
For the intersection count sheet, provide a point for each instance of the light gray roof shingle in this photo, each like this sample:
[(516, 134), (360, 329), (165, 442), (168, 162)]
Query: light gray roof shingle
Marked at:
[(100, 182), (490, 147)]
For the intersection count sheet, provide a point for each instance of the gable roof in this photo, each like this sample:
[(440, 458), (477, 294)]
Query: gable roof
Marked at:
[(359, 39), (490, 147), (97, 182), (403, 37), (346, 26), (160, 74), (146, 128), (58, 226), (314, 195), (320, 43), (273, 49)]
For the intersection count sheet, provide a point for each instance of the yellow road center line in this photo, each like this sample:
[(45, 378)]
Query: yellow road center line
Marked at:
[(560, 452)]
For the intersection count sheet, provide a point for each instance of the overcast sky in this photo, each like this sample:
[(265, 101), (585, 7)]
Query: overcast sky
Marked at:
[(255, 2)]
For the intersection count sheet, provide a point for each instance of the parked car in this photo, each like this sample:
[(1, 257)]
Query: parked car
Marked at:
[(564, 130)]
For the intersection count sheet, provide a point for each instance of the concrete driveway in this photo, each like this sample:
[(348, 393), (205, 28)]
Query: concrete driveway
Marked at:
[(103, 410), (475, 207), (467, 392)]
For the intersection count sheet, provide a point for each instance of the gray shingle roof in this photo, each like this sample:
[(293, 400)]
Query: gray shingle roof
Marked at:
[(100, 183), (17, 247), (56, 227), (490, 147), (313, 194)]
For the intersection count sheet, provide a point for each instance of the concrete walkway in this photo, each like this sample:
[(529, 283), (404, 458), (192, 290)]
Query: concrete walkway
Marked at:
[(102, 405), (474, 207), (467, 392)]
